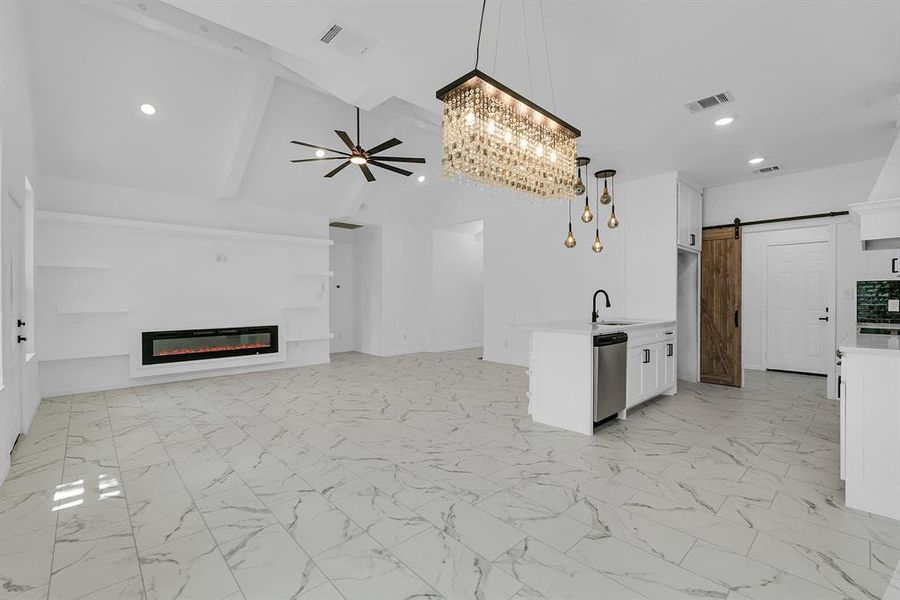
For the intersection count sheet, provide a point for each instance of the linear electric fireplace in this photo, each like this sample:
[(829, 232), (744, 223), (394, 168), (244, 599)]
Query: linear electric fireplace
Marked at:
[(199, 344)]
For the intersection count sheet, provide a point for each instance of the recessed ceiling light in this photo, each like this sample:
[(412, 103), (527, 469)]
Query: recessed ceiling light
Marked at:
[(724, 121), (148, 109), (421, 178), (756, 160), (320, 153)]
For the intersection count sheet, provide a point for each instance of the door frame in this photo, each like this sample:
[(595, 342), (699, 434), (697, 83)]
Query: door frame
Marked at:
[(828, 233)]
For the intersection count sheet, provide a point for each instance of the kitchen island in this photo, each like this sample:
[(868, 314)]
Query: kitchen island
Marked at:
[(561, 368), (869, 392)]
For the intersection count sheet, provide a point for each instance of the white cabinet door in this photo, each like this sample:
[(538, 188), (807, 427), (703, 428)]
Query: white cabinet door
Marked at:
[(650, 365), (684, 215), (633, 379), (879, 264), (696, 233), (671, 364), (690, 217)]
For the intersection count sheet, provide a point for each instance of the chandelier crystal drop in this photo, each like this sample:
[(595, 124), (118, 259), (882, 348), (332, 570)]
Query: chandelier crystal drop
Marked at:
[(496, 137)]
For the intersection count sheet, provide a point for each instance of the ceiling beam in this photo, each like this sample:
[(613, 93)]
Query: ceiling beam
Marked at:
[(256, 110)]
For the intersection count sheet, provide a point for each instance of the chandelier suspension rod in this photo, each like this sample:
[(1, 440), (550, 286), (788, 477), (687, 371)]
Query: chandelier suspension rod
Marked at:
[(480, 26), (547, 54)]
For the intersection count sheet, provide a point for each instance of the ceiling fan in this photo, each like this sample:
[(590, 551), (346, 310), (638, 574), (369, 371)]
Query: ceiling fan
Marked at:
[(360, 157)]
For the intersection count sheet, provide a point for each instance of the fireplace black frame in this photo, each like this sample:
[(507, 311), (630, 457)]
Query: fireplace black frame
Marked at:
[(148, 337)]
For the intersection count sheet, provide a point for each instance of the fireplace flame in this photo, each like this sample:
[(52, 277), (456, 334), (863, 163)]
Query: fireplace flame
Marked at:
[(202, 349)]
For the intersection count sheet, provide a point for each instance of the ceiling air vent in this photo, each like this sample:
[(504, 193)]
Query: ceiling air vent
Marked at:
[(764, 170), (709, 102), (331, 33), (346, 41), (343, 225)]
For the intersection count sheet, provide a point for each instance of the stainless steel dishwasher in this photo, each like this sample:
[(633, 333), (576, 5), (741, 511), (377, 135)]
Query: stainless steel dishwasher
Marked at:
[(610, 370)]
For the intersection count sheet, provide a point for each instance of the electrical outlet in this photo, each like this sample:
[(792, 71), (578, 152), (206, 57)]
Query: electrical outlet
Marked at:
[(894, 305)]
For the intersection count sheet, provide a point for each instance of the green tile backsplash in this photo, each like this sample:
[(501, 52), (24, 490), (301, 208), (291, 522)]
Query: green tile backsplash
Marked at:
[(872, 301)]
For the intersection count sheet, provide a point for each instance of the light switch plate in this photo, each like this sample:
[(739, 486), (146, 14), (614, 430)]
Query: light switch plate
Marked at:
[(894, 305)]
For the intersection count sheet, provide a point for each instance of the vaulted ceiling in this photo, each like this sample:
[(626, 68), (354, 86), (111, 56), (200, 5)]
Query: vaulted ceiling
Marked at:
[(815, 84)]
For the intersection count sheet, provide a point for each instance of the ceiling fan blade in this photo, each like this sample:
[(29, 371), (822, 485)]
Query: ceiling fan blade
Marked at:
[(367, 172), (405, 159), (384, 146), (319, 147), (390, 168), (299, 160), (345, 138), (334, 172)]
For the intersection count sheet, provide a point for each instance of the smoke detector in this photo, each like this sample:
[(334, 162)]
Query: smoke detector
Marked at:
[(346, 41), (769, 169), (709, 102)]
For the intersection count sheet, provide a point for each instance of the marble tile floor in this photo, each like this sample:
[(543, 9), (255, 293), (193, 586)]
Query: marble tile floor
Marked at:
[(422, 476)]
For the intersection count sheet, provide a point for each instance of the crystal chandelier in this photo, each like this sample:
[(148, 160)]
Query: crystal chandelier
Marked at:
[(496, 136)]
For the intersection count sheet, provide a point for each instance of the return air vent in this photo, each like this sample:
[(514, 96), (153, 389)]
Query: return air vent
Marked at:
[(346, 41), (343, 225), (709, 102), (764, 170)]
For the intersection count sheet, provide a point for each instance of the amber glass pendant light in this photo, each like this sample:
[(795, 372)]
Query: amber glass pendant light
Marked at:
[(570, 239), (586, 215), (607, 197), (597, 246)]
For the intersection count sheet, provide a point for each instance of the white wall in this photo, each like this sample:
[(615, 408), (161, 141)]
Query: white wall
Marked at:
[(805, 193), (99, 283), (17, 161), (649, 213), (369, 288), (457, 290), (342, 298)]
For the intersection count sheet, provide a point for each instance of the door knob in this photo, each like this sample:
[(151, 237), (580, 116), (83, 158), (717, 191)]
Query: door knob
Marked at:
[(20, 323), (20, 339), (823, 318)]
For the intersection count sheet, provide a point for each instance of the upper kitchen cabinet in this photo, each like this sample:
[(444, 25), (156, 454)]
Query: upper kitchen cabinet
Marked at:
[(879, 236), (690, 217)]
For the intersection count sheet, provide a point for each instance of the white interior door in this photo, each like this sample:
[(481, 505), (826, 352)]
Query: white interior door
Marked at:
[(10, 397), (797, 307)]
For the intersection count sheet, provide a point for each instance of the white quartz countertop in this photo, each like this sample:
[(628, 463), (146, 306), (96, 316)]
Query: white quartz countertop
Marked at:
[(587, 328), (868, 342)]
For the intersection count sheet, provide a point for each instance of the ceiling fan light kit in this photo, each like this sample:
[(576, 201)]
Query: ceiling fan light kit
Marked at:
[(358, 156)]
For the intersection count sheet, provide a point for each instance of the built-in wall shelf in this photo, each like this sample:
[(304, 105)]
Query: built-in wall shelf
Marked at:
[(88, 310), (311, 338), (183, 229), (71, 264), (48, 357)]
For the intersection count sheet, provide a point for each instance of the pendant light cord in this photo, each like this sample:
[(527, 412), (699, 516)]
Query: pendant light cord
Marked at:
[(480, 27), (547, 54), (527, 49)]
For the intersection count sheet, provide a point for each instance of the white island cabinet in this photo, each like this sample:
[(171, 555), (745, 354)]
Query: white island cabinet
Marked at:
[(870, 423), (561, 370)]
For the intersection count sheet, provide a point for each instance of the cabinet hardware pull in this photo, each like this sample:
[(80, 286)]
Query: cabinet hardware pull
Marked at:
[(646, 355), (839, 386), (670, 350), (693, 239), (894, 265)]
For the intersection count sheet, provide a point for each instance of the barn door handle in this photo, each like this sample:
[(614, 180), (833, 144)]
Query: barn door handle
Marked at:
[(737, 318)]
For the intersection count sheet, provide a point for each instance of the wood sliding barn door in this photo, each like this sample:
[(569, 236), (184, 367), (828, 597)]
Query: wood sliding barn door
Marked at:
[(720, 307)]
